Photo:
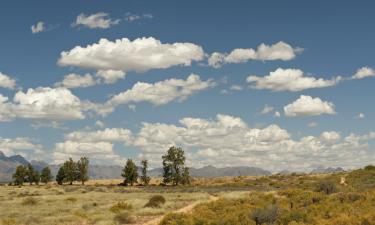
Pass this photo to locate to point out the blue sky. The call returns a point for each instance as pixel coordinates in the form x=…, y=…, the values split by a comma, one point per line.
x=324, y=50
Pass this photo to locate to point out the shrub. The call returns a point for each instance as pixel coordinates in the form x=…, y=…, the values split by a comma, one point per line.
x=155, y=201
x=370, y=167
x=29, y=201
x=124, y=217
x=71, y=199
x=120, y=206
x=266, y=215
x=177, y=219
x=326, y=186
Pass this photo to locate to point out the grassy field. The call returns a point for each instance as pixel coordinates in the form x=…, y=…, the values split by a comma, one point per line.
x=278, y=199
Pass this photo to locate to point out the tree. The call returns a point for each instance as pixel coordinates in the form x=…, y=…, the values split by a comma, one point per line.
x=60, y=177
x=19, y=176
x=30, y=174
x=145, y=178
x=173, y=165
x=36, y=177
x=186, y=179
x=70, y=171
x=82, y=170
x=46, y=175
x=130, y=173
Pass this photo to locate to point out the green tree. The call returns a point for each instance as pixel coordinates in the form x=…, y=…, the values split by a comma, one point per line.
x=46, y=175
x=20, y=175
x=82, y=170
x=60, y=177
x=144, y=177
x=186, y=179
x=36, y=177
x=30, y=174
x=173, y=165
x=70, y=171
x=130, y=173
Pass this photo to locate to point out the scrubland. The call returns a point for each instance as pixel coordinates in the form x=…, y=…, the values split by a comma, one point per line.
x=338, y=199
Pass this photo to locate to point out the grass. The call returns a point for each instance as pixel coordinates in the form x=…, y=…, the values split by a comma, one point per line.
x=91, y=204
x=277, y=199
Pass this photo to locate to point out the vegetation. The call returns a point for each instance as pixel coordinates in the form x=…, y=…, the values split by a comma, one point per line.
x=46, y=175
x=174, y=168
x=82, y=170
x=155, y=201
x=144, y=177
x=130, y=173
x=72, y=171
x=19, y=176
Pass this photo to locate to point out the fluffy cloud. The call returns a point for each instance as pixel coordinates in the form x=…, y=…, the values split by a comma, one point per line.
x=139, y=55
x=97, y=145
x=98, y=152
x=110, y=76
x=290, y=80
x=308, y=106
x=20, y=145
x=223, y=141
x=228, y=140
x=363, y=73
x=159, y=93
x=73, y=80
x=278, y=51
x=106, y=135
x=98, y=20
x=37, y=28
x=42, y=103
x=7, y=82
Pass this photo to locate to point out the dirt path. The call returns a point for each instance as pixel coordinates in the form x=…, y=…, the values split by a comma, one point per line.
x=185, y=209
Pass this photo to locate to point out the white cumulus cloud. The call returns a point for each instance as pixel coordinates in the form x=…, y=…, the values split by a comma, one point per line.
x=309, y=106
x=158, y=93
x=6, y=81
x=290, y=80
x=278, y=51
x=98, y=20
x=363, y=73
x=74, y=80
x=139, y=55
x=42, y=103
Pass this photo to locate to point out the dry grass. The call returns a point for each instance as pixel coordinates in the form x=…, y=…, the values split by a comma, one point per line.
x=90, y=204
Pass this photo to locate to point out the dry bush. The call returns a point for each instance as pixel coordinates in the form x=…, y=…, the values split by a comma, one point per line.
x=177, y=219
x=267, y=215
x=124, y=217
x=121, y=206
x=71, y=199
x=29, y=201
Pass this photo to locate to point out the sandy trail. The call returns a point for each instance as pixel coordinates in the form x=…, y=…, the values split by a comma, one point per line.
x=185, y=209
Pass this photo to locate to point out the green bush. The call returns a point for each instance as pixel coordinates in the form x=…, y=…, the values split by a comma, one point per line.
x=177, y=219
x=155, y=201
x=266, y=215
x=326, y=186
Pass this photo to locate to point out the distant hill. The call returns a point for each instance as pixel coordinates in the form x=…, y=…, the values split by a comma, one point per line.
x=322, y=169
x=211, y=171
x=8, y=166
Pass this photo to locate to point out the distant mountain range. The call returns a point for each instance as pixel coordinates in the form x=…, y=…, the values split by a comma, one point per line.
x=9, y=164
x=322, y=169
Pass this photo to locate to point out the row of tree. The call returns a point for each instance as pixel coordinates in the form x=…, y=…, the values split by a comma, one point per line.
x=29, y=174
x=72, y=171
x=174, y=170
